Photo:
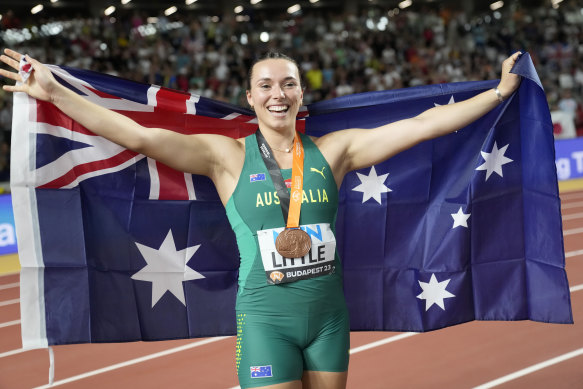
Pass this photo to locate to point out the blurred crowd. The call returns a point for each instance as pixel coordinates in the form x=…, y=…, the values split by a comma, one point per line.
x=338, y=54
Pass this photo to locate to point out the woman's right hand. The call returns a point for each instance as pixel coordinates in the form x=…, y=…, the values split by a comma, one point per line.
x=40, y=84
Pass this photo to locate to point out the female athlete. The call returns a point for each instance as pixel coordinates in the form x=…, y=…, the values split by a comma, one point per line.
x=292, y=320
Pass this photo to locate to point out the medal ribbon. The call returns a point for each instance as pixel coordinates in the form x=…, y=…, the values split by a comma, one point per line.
x=290, y=205
x=293, y=217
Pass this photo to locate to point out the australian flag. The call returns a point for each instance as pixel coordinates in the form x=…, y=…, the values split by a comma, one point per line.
x=117, y=247
x=261, y=371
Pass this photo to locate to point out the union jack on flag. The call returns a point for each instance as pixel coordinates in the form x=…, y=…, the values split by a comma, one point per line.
x=148, y=105
x=459, y=228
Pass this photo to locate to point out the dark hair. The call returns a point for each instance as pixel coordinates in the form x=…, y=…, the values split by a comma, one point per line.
x=272, y=55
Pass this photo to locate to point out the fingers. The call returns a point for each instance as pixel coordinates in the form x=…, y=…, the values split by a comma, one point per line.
x=509, y=63
x=12, y=59
x=35, y=64
x=513, y=58
x=10, y=62
x=14, y=54
x=13, y=88
x=11, y=75
x=8, y=74
x=509, y=82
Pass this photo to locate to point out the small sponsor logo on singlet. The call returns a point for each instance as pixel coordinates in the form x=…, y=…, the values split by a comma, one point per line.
x=276, y=276
x=257, y=177
x=261, y=371
x=288, y=183
x=320, y=172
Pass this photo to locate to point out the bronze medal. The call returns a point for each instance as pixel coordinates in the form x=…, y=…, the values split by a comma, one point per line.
x=293, y=243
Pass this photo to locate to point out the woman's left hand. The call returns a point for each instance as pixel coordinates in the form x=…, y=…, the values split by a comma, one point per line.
x=509, y=82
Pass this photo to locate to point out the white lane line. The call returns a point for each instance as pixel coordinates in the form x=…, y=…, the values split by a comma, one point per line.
x=573, y=216
x=575, y=253
x=9, y=286
x=9, y=302
x=576, y=204
x=531, y=369
x=12, y=352
x=134, y=361
x=381, y=342
x=9, y=323
x=572, y=231
x=207, y=341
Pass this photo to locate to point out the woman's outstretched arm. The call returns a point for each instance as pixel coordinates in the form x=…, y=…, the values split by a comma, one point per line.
x=204, y=154
x=358, y=148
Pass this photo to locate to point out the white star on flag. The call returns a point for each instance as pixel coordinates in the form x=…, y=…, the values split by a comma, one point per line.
x=372, y=185
x=494, y=160
x=460, y=219
x=451, y=101
x=434, y=292
x=166, y=268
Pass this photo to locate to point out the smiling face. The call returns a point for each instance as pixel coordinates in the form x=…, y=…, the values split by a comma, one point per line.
x=276, y=94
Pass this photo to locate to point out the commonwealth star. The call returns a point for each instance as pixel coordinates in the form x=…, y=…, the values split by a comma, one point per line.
x=166, y=268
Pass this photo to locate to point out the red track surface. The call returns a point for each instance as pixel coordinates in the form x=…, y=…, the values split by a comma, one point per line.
x=464, y=356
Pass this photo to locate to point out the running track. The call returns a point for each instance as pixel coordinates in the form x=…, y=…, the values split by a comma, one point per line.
x=472, y=355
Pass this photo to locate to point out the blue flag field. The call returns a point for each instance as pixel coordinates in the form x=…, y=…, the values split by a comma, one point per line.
x=117, y=247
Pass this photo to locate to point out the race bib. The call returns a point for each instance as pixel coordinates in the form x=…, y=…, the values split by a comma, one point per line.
x=318, y=262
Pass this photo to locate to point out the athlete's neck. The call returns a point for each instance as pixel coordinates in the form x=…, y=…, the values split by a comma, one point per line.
x=280, y=141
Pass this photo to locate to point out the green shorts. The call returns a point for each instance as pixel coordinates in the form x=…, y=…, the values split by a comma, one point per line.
x=276, y=349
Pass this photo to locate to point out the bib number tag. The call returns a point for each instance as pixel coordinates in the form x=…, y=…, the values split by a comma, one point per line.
x=317, y=262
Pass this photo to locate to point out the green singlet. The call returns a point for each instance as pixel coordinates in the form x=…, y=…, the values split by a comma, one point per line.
x=287, y=328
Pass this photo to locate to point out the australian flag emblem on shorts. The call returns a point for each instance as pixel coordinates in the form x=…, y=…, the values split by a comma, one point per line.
x=261, y=371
